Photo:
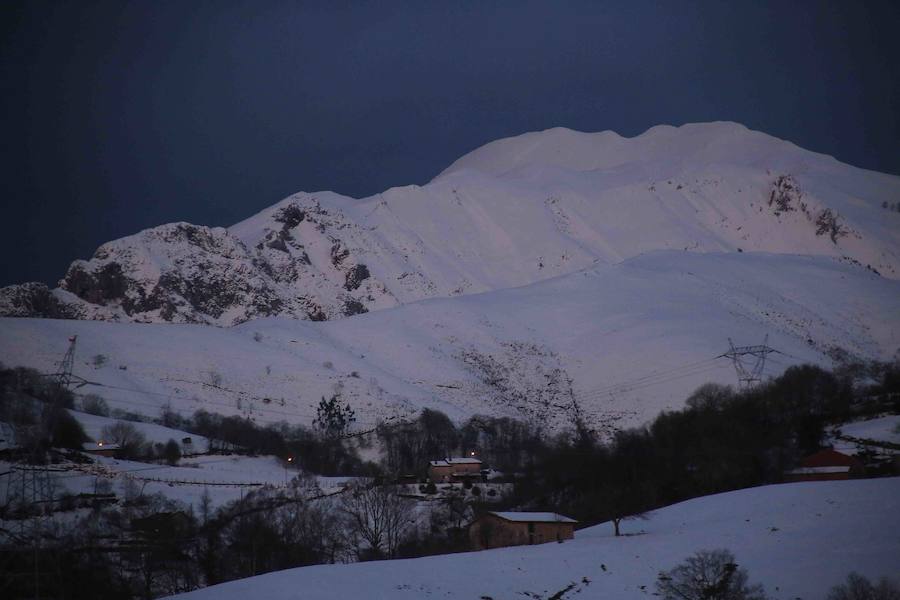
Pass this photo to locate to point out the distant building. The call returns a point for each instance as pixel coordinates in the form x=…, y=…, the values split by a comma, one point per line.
x=826, y=465
x=454, y=469
x=101, y=448
x=499, y=529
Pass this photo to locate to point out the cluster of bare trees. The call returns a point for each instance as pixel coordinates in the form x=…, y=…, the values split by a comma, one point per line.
x=148, y=546
x=379, y=518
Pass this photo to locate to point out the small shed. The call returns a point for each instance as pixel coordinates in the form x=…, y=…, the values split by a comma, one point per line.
x=100, y=448
x=499, y=529
x=454, y=469
x=826, y=465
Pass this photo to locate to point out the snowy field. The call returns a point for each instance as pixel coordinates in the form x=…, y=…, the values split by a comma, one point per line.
x=226, y=478
x=797, y=539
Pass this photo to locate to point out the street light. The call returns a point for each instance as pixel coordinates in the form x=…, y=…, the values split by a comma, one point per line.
x=290, y=460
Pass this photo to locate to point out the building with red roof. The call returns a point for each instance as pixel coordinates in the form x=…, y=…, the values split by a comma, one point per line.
x=826, y=465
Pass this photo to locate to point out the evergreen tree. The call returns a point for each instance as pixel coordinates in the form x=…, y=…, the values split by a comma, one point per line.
x=334, y=417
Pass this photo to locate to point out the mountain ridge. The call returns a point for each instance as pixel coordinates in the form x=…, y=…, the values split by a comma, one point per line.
x=512, y=212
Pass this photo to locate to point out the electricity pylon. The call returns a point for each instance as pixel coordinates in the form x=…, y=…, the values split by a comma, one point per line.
x=749, y=361
x=30, y=493
x=64, y=372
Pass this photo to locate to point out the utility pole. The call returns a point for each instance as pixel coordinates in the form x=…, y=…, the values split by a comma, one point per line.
x=749, y=361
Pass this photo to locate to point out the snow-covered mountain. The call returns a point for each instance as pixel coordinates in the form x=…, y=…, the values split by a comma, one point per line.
x=512, y=213
x=615, y=343
x=545, y=276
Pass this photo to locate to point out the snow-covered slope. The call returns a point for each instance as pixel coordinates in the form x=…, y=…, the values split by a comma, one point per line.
x=514, y=212
x=880, y=429
x=617, y=342
x=798, y=540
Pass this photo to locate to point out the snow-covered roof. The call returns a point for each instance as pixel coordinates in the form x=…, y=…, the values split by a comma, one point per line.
x=810, y=470
x=454, y=461
x=94, y=446
x=533, y=517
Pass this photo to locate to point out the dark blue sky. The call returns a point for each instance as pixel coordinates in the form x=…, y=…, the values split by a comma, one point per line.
x=119, y=116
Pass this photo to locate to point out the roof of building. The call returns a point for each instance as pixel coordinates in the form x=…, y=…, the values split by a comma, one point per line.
x=533, y=517
x=94, y=446
x=447, y=462
x=830, y=458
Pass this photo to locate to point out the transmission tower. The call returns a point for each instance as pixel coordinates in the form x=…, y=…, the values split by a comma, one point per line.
x=64, y=372
x=25, y=557
x=30, y=497
x=749, y=361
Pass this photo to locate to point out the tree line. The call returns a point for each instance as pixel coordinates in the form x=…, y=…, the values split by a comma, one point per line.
x=721, y=440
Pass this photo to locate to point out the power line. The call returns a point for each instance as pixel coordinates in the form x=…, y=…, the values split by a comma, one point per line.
x=692, y=373
x=749, y=375
x=672, y=373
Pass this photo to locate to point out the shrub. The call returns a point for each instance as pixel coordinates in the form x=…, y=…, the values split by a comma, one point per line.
x=95, y=405
x=172, y=452
x=215, y=378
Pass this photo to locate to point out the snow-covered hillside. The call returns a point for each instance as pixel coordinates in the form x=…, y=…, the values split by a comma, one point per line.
x=512, y=213
x=94, y=425
x=881, y=429
x=798, y=540
x=618, y=343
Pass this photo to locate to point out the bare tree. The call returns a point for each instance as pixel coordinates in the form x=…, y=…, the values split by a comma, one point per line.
x=858, y=587
x=377, y=515
x=130, y=440
x=708, y=575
